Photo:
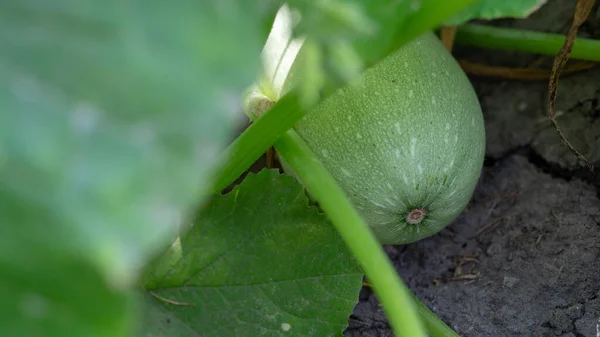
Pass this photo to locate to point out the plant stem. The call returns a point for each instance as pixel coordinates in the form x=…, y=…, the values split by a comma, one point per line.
x=256, y=139
x=435, y=326
x=411, y=23
x=525, y=41
x=390, y=290
x=431, y=13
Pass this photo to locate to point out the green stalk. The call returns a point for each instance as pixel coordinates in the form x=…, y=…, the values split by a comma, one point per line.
x=525, y=41
x=389, y=288
x=256, y=139
x=411, y=23
x=430, y=14
x=435, y=326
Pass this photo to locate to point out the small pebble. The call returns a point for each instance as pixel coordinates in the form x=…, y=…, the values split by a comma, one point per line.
x=510, y=281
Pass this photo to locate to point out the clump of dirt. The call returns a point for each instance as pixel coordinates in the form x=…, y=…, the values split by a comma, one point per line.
x=524, y=258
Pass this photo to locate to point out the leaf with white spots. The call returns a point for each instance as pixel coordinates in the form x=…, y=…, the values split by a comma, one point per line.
x=258, y=261
x=112, y=114
x=495, y=9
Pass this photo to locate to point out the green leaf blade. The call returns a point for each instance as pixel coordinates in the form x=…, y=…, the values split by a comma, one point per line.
x=51, y=302
x=258, y=260
x=112, y=114
x=118, y=111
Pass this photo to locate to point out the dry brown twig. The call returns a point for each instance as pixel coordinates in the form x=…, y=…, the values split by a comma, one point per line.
x=459, y=273
x=447, y=35
x=270, y=158
x=582, y=11
x=489, y=225
x=525, y=74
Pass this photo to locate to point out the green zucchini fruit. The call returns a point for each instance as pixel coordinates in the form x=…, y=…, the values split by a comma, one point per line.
x=405, y=141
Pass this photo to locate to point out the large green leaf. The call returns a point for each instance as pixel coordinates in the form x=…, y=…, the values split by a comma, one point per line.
x=61, y=297
x=257, y=261
x=112, y=114
x=113, y=111
x=496, y=9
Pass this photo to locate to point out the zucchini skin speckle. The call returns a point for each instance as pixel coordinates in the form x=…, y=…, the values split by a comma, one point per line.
x=407, y=135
